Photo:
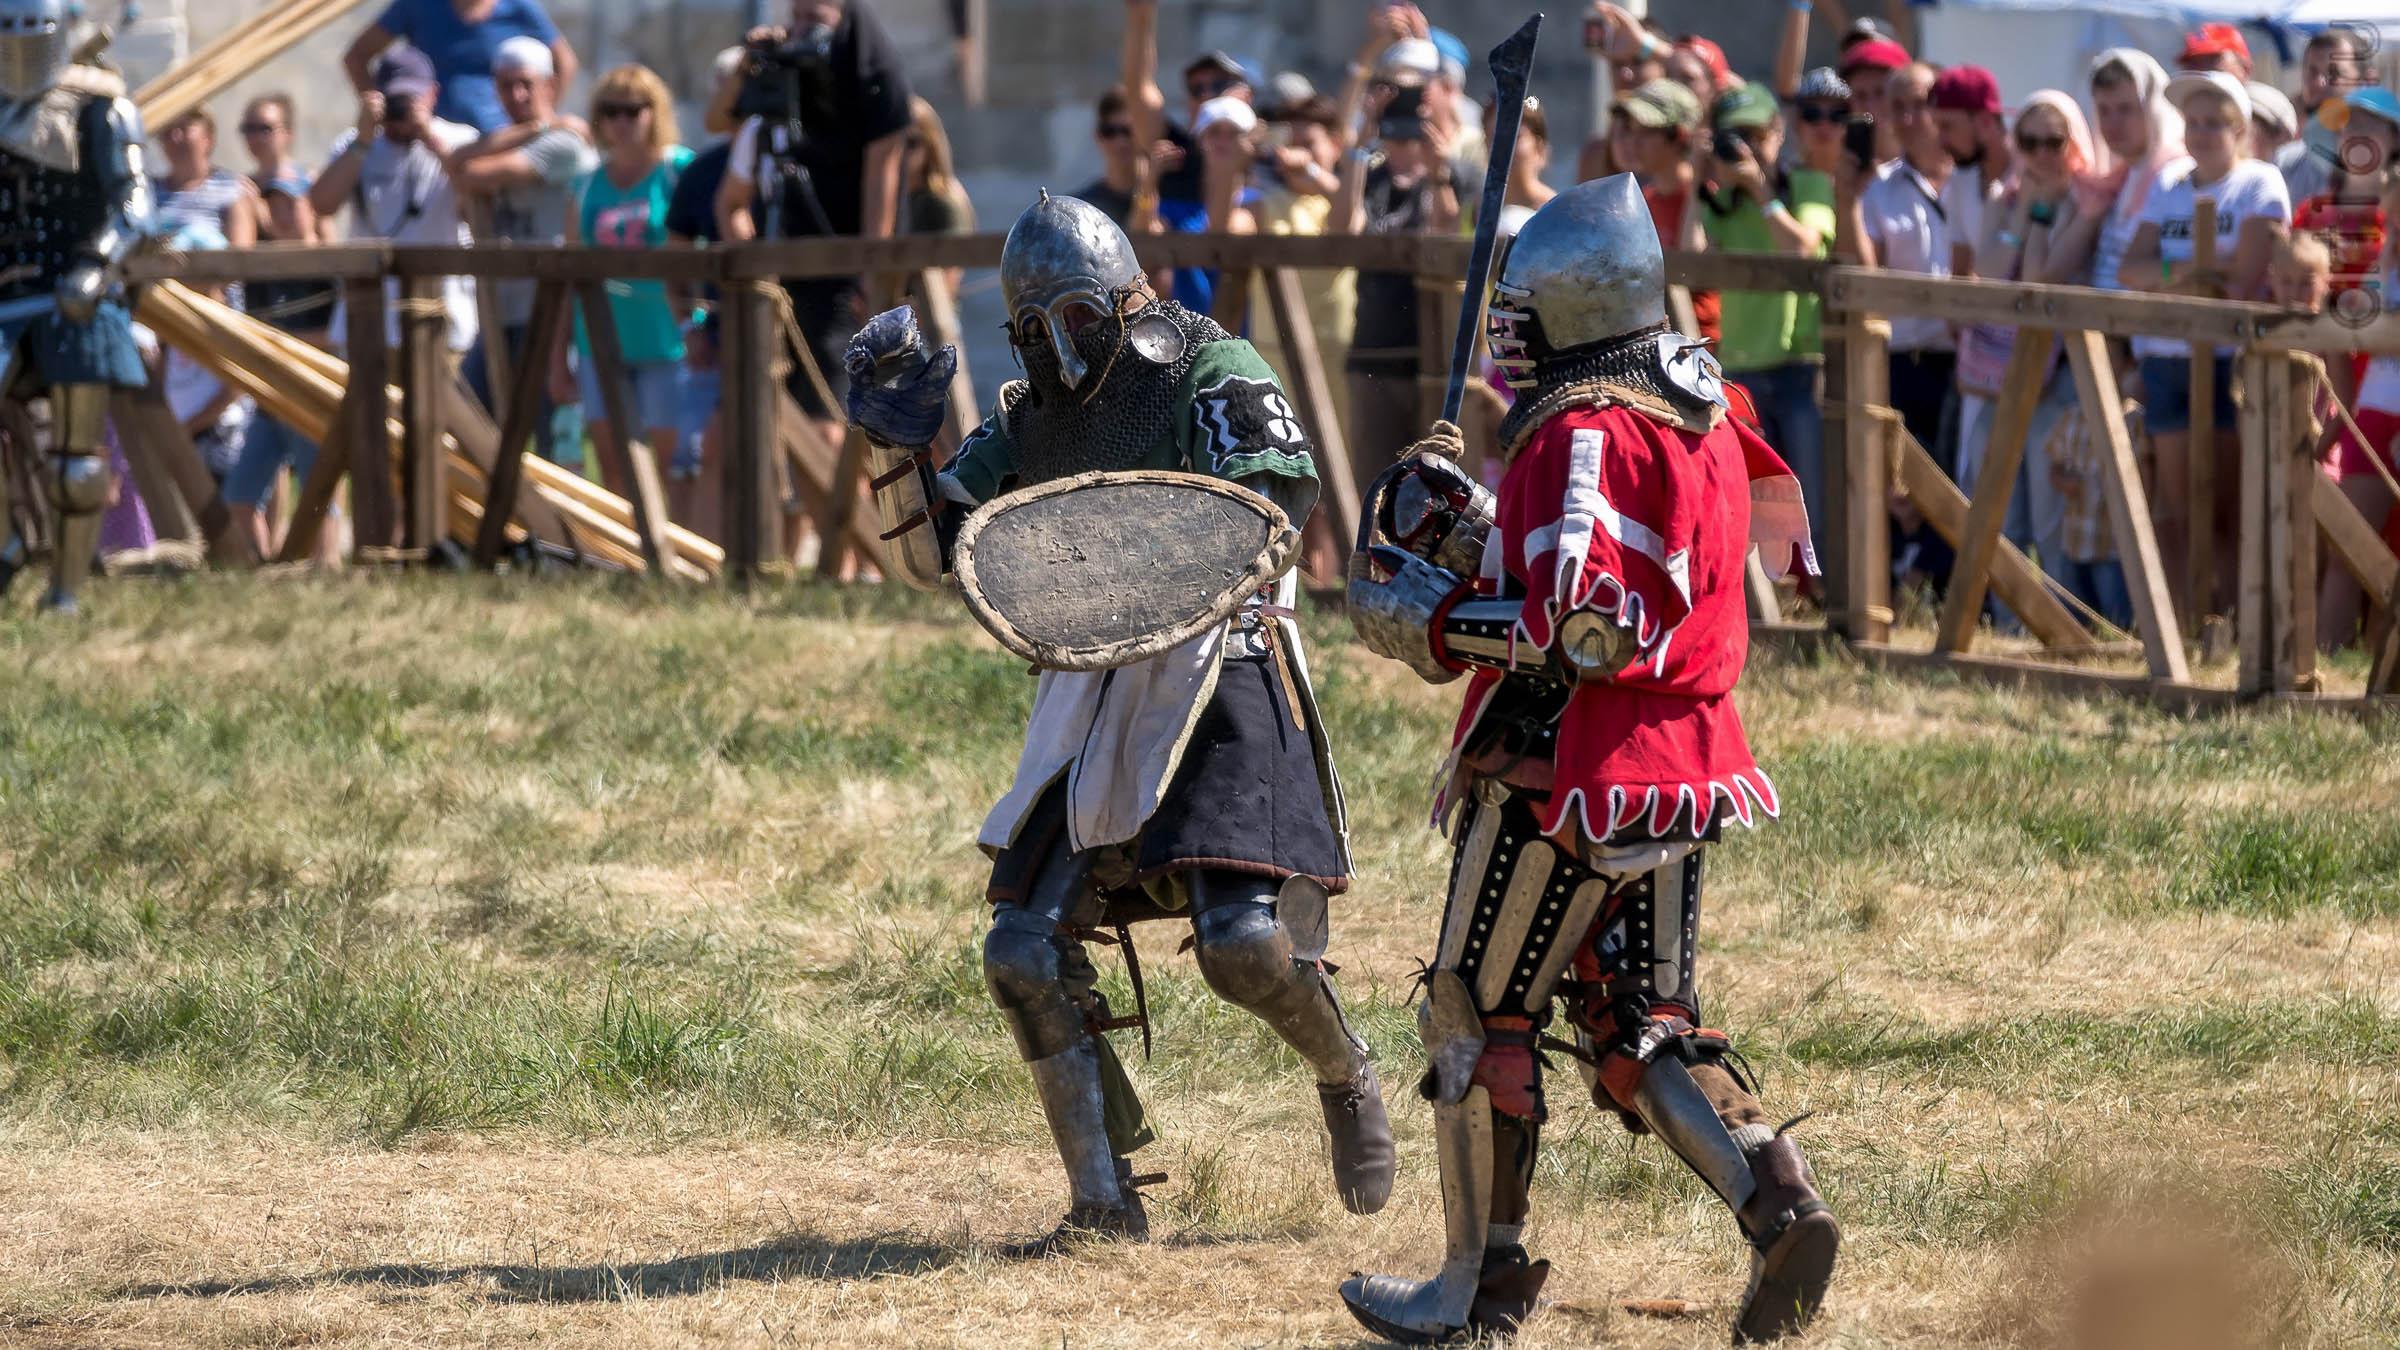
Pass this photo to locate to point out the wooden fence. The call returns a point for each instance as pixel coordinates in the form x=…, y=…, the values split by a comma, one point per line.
x=2286, y=505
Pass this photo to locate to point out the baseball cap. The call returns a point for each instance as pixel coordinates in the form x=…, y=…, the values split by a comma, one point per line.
x=1969, y=89
x=2215, y=39
x=525, y=53
x=2191, y=82
x=404, y=72
x=1454, y=54
x=1223, y=62
x=1720, y=71
x=1874, y=54
x=1660, y=104
x=1822, y=86
x=1290, y=89
x=2268, y=105
x=1409, y=61
x=1225, y=108
x=2375, y=101
x=1743, y=106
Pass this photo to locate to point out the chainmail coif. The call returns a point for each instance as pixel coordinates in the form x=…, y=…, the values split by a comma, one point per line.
x=1059, y=431
x=1625, y=369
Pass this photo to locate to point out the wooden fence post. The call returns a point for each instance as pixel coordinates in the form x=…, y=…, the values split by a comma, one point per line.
x=1995, y=486
x=750, y=428
x=1313, y=389
x=1829, y=515
x=1231, y=306
x=368, y=404
x=523, y=402
x=1867, y=482
x=2291, y=522
x=2128, y=507
x=2254, y=662
x=937, y=322
x=424, y=383
x=635, y=463
x=2199, y=562
x=325, y=479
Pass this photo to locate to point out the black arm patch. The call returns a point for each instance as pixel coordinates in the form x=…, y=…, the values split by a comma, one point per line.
x=1248, y=426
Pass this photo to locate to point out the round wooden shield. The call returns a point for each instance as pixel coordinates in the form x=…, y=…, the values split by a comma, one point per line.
x=1105, y=569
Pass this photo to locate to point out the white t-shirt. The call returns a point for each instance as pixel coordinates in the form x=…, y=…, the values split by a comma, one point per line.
x=1963, y=200
x=404, y=195
x=2108, y=251
x=1911, y=230
x=2250, y=190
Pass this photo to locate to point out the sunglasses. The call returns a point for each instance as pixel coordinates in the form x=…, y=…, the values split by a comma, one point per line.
x=1207, y=89
x=613, y=111
x=1114, y=131
x=1817, y=113
x=259, y=128
x=2036, y=145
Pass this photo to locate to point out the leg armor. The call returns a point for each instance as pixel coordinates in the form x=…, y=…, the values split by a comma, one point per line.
x=78, y=482
x=1042, y=980
x=1640, y=1010
x=1253, y=959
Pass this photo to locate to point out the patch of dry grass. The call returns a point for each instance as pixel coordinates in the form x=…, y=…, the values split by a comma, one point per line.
x=455, y=961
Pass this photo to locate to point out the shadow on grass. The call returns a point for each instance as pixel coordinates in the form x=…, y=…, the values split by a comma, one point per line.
x=798, y=1256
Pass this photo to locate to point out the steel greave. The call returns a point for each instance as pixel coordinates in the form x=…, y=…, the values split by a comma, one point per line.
x=1438, y=1308
x=1069, y=1086
x=1675, y=1109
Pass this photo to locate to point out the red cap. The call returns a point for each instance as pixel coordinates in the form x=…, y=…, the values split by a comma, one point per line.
x=1874, y=54
x=2215, y=39
x=1711, y=55
x=1965, y=89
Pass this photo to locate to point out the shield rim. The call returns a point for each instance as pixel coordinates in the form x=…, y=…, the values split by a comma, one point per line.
x=1272, y=561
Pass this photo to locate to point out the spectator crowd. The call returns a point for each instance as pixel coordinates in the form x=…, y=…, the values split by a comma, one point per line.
x=1879, y=159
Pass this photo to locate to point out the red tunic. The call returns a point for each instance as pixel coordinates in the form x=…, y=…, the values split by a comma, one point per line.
x=1609, y=510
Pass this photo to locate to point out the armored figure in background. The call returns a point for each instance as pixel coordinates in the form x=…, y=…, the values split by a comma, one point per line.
x=1598, y=602
x=73, y=202
x=1195, y=783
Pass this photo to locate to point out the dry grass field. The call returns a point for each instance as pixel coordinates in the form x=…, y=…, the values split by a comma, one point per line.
x=466, y=962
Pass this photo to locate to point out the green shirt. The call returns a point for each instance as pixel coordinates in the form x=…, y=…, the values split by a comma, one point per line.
x=1761, y=330
x=1235, y=424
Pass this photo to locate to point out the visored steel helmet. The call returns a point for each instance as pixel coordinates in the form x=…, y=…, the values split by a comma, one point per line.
x=1063, y=256
x=1584, y=268
x=35, y=42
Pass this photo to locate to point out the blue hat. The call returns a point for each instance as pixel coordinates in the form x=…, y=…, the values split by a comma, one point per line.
x=2376, y=101
x=1454, y=53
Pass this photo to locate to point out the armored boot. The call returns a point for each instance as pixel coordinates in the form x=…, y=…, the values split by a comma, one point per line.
x=1761, y=1177
x=78, y=482
x=1102, y=1203
x=1426, y=1312
x=1251, y=960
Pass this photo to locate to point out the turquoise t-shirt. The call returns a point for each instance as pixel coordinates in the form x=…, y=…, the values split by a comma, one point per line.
x=636, y=217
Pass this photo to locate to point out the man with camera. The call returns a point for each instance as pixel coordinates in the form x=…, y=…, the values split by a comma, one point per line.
x=393, y=170
x=825, y=109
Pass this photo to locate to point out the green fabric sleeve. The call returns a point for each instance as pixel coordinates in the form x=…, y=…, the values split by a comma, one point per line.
x=984, y=460
x=1238, y=421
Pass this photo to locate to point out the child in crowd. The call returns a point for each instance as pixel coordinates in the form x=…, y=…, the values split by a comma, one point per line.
x=2303, y=276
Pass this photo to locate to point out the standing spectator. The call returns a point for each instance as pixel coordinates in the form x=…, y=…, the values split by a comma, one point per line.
x=215, y=415
x=461, y=38
x=1224, y=127
x=2378, y=405
x=1122, y=158
x=1821, y=106
x=2216, y=46
x=692, y=219
x=1700, y=66
x=527, y=171
x=301, y=308
x=2143, y=134
x=1303, y=167
x=1655, y=128
x=1526, y=193
x=857, y=138
x=1869, y=66
x=1461, y=117
x=1174, y=156
x=1771, y=343
x=2274, y=122
x=392, y=172
x=623, y=204
x=2252, y=213
x=2301, y=278
x=1966, y=107
x=937, y=202
x=194, y=191
x=1408, y=189
x=2335, y=61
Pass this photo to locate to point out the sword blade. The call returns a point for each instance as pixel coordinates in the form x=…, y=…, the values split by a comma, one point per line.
x=1512, y=69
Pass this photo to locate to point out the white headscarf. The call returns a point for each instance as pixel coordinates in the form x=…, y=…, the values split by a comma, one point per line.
x=2166, y=124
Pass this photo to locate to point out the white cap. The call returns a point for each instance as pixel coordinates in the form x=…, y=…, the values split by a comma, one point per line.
x=2268, y=105
x=528, y=54
x=729, y=62
x=1225, y=108
x=1410, y=61
x=2191, y=82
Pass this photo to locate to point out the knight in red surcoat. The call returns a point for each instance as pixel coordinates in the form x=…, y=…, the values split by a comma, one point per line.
x=1597, y=603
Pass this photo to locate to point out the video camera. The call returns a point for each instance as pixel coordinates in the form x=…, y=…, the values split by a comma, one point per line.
x=788, y=79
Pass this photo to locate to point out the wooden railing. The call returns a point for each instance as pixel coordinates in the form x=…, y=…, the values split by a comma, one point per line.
x=2286, y=506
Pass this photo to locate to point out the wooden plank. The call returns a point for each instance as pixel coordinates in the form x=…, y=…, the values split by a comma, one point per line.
x=2199, y=563
x=424, y=388
x=556, y=262
x=324, y=479
x=2296, y=471
x=1711, y=271
x=2254, y=665
x=234, y=54
x=2070, y=681
x=1995, y=486
x=2014, y=577
x=471, y=432
x=263, y=262
x=1759, y=590
x=2128, y=507
x=1231, y=305
x=2118, y=313
x=2327, y=332
x=491, y=330
x=374, y=522
x=814, y=461
x=1682, y=315
x=2357, y=544
x=937, y=321
x=1313, y=390
x=1867, y=480
x=522, y=406
x=840, y=509
x=1831, y=512
x=635, y=465
x=1436, y=329
x=747, y=334
x=171, y=517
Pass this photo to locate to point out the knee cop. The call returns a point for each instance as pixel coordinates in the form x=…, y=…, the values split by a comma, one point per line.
x=1639, y=998
x=1025, y=969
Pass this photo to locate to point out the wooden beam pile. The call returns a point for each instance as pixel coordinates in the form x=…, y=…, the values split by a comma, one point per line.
x=302, y=386
x=234, y=54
